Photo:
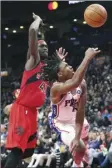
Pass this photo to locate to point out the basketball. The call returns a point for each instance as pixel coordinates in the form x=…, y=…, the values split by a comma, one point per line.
x=95, y=15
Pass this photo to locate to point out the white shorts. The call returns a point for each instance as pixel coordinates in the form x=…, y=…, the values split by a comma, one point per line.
x=67, y=131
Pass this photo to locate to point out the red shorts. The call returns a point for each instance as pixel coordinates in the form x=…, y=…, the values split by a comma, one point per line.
x=22, y=127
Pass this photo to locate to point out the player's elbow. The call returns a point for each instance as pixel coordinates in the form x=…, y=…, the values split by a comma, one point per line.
x=80, y=121
x=32, y=32
x=80, y=116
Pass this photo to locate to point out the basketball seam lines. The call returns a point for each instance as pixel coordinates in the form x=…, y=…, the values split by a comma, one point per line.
x=92, y=19
x=97, y=13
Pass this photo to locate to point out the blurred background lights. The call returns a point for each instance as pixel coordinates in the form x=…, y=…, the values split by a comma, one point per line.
x=51, y=27
x=84, y=22
x=21, y=27
x=75, y=20
x=14, y=31
x=53, y=5
x=6, y=28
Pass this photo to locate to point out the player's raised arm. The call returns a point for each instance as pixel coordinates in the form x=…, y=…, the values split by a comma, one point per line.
x=33, y=31
x=74, y=78
x=79, y=117
x=33, y=57
x=81, y=110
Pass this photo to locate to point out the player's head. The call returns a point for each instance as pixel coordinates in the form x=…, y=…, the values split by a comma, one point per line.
x=43, y=49
x=57, y=70
x=65, y=72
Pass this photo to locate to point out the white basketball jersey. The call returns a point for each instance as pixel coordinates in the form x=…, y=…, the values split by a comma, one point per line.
x=65, y=110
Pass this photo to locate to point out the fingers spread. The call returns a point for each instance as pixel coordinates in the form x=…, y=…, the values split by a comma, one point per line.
x=63, y=52
x=66, y=54
x=60, y=50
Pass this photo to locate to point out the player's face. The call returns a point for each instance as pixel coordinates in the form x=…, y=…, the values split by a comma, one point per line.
x=65, y=71
x=43, y=49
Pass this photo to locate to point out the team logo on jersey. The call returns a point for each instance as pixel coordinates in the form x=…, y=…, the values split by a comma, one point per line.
x=19, y=130
x=73, y=103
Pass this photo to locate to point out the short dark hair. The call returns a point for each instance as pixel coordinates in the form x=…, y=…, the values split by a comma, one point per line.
x=51, y=68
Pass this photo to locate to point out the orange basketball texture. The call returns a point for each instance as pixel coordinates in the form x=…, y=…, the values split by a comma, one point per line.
x=95, y=15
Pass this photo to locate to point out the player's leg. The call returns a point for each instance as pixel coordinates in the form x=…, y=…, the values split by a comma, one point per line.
x=18, y=134
x=31, y=143
x=14, y=158
x=17, y=153
x=82, y=150
x=77, y=154
x=84, y=137
x=67, y=135
x=32, y=139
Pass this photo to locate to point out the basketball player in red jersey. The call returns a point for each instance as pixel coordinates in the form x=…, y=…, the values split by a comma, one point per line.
x=22, y=130
x=68, y=103
x=21, y=138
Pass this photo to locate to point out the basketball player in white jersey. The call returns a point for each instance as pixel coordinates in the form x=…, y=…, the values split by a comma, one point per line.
x=68, y=100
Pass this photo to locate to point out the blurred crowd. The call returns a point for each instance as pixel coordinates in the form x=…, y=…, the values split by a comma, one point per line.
x=50, y=152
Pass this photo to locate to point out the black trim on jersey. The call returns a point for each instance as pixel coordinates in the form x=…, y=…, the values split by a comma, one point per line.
x=33, y=78
x=32, y=137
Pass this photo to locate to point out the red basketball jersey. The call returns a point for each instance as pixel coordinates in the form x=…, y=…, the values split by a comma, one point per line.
x=33, y=88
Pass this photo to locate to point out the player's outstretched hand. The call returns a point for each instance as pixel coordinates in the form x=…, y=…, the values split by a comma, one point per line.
x=91, y=53
x=61, y=53
x=36, y=16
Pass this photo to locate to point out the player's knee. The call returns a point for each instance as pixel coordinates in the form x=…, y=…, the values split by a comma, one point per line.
x=82, y=147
